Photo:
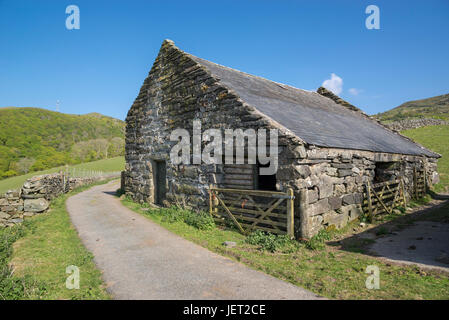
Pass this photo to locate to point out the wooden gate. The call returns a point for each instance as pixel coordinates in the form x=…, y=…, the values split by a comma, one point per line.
x=384, y=197
x=254, y=209
x=419, y=183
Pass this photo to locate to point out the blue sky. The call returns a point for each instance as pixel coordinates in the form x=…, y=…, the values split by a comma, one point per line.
x=101, y=66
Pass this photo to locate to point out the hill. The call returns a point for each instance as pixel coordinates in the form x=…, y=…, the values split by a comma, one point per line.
x=435, y=138
x=434, y=107
x=34, y=139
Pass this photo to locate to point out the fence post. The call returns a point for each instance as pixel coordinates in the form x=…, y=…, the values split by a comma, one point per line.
x=290, y=214
x=425, y=180
x=210, y=199
x=304, y=223
x=370, y=204
x=415, y=182
x=404, y=198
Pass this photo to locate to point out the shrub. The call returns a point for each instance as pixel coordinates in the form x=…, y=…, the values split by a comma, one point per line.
x=317, y=241
x=200, y=220
x=172, y=214
x=270, y=242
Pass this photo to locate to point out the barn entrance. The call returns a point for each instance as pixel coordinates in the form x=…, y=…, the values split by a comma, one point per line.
x=264, y=182
x=160, y=181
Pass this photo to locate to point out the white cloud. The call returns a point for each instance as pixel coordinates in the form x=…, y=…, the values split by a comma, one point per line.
x=354, y=91
x=334, y=84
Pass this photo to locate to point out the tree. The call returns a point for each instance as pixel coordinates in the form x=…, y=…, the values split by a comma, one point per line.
x=24, y=165
x=116, y=147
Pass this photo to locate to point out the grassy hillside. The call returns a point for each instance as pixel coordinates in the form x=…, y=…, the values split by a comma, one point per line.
x=435, y=107
x=33, y=139
x=435, y=138
x=105, y=165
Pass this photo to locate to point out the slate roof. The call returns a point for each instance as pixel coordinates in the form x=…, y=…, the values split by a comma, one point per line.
x=314, y=118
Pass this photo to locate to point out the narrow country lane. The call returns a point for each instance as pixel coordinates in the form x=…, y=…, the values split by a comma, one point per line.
x=141, y=260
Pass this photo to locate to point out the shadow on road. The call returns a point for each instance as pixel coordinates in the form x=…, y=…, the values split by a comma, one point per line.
x=421, y=237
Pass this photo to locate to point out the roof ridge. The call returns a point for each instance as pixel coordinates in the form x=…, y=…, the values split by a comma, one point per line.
x=251, y=75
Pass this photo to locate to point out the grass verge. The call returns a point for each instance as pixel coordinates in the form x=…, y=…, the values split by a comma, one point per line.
x=324, y=269
x=42, y=248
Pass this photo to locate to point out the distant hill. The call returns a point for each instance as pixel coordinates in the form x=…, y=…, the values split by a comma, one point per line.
x=33, y=139
x=435, y=107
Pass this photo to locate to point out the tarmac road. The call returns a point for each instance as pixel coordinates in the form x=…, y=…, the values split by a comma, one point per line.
x=142, y=260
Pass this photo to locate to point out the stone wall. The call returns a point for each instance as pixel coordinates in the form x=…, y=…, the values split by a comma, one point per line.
x=328, y=183
x=35, y=195
x=414, y=123
x=334, y=180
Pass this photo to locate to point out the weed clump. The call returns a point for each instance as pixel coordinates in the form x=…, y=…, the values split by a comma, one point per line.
x=271, y=242
x=199, y=220
x=318, y=240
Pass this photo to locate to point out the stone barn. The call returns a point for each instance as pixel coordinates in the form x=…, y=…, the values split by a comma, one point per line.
x=328, y=150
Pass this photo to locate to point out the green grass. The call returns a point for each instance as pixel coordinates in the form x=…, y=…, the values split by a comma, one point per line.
x=324, y=269
x=435, y=138
x=50, y=244
x=105, y=165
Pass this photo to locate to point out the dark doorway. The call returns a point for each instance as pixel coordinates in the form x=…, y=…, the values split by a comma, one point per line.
x=160, y=181
x=265, y=182
x=385, y=171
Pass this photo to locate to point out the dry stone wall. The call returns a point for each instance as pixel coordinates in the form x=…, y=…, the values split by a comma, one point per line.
x=35, y=195
x=334, y=180
x=414, y=123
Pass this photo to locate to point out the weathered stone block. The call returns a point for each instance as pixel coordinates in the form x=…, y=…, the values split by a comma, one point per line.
x=336, y=219
x=330, y=171
x=4, y=215
x=325, y=186
x=335, y=202
x=303, y=170
x=36, y=205
x=190, y=171
x=318, y=169
x=353, y=198
x=317, y=154
x=342, y=165
x=339, y=189
x=300, y=151
x=344, y=172
x=356, y=170
x=319, y=207
x=186, y=189
x=351, y=211
x=312, y=196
